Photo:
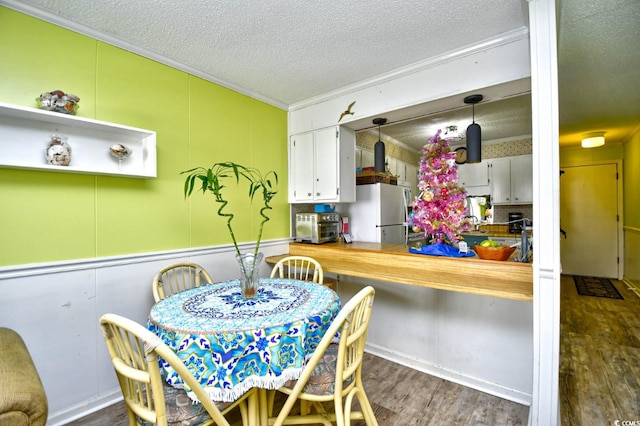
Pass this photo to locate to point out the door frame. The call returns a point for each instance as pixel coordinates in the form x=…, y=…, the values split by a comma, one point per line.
x=619, y=204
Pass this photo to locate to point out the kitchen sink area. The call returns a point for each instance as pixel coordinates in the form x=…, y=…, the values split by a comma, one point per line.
x=500, y=234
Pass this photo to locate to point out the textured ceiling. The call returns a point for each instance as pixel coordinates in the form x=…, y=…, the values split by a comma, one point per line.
x=288, y=51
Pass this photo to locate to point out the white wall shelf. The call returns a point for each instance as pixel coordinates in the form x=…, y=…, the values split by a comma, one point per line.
x=25, y=134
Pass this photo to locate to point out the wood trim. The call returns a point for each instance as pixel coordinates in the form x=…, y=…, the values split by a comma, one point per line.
x=394, y=263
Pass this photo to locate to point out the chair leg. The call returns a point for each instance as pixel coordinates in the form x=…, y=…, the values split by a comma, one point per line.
x=305, y=407
x=263, y=413
x=252, y=403
x=367, y=411
x=271, y=397
x=243, y=412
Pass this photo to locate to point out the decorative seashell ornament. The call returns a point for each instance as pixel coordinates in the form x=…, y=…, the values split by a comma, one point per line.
x=119, y=151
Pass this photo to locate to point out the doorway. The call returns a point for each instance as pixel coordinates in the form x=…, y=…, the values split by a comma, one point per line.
x=590, y=215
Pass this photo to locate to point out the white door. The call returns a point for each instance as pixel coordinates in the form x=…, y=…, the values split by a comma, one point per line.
x=391, y=206
x=392, y=235
x=326, y=164
x=522, y=179
x=589, y=216
x=302, y=163
x=501, y=181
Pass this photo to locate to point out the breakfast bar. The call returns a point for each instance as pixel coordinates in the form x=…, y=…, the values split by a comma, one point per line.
x=394, y=263
x=466, y=320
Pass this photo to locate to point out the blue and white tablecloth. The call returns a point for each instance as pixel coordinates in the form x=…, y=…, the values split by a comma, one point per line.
x=232, y=345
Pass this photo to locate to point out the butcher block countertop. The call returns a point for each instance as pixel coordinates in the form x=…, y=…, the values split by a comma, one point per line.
x=394, y=263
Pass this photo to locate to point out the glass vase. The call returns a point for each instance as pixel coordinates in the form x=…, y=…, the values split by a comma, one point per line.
x=249, y=274
x=58, y=151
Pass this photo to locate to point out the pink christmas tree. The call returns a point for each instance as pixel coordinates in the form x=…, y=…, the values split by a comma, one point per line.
x=439, y=209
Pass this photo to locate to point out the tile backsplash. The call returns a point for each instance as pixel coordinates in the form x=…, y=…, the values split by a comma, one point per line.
x=501, y=213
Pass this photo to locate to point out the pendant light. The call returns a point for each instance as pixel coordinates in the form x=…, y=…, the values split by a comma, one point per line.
x=474, y=139
x=378, y=148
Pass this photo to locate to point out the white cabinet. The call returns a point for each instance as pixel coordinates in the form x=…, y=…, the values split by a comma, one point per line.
x=412, y=179
x=512, y=180
x=522, y=179
x=26, y=132
x=322, y=167
x=470, y=175
x=474, y=178
x=364, y=158
x=367, y=158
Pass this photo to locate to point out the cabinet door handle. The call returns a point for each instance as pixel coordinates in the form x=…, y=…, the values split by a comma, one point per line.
x=317, y=194
x=309, y=194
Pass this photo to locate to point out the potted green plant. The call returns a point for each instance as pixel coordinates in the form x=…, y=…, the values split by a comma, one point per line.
x=212, y=180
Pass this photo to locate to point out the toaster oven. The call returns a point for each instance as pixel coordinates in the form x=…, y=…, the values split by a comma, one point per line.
x=317, y=228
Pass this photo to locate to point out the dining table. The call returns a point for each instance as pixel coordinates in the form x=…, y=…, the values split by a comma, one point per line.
x=232, y=344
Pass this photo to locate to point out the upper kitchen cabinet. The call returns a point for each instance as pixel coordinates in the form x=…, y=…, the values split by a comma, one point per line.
x=322, y=166
x=474, y=178
x=512, y=180
x=364, y=158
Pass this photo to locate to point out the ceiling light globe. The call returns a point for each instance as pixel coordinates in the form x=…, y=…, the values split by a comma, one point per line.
x=593, y=140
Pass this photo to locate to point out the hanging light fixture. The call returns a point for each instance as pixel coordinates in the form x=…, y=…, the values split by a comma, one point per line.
x=378, y=148
x=593, y=140
x=451, y=134
x=474, y=139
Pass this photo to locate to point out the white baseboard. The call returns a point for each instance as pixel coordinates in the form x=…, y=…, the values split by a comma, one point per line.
x=79, y=411
x=633, y=285
x=434, y=370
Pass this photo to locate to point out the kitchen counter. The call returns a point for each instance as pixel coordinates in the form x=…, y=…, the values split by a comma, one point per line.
x=394, y=263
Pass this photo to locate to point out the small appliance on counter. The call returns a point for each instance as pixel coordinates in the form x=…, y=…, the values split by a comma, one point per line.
x=317, y=228
x=515, y=223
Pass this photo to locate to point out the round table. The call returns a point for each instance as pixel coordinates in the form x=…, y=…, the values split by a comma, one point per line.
x=231, y=344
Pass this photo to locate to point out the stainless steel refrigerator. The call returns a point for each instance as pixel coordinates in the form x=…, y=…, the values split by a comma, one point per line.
x=379, y=214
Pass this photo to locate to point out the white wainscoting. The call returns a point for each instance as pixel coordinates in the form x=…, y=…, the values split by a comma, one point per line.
x=482, y=342
x=632, y=258
x=56, y=307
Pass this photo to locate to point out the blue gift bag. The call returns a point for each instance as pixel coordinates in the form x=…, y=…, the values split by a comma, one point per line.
x=440, y=249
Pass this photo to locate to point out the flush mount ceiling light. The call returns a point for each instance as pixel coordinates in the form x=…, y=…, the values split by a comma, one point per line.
x=451, y=133
x=378, y=148
x=474, y=139
x=593, y=140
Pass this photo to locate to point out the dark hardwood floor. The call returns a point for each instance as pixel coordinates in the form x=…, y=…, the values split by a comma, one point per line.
x=599, y=376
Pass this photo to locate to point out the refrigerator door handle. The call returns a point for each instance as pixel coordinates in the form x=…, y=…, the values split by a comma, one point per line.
x=391, y=224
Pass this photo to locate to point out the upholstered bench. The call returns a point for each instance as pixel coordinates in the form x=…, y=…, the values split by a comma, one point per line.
x=22, y=397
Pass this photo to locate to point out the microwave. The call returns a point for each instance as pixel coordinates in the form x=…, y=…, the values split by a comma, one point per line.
x=317, y=228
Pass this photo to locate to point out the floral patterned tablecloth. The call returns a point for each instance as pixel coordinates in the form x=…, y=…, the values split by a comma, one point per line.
x=232, y=345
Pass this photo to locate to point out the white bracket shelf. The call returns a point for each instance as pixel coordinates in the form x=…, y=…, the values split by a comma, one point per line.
x=25, y=134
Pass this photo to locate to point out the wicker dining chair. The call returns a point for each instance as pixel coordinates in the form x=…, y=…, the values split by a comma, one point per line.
x=302, y=268
x=135, y=351
x=178, y=277
x=333, y=375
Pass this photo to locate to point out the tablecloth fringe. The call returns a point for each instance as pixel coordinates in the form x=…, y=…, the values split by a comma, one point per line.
x=230, y=395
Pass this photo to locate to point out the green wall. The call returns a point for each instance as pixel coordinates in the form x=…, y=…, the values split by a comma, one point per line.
x=48, y=216
x=631, y=181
